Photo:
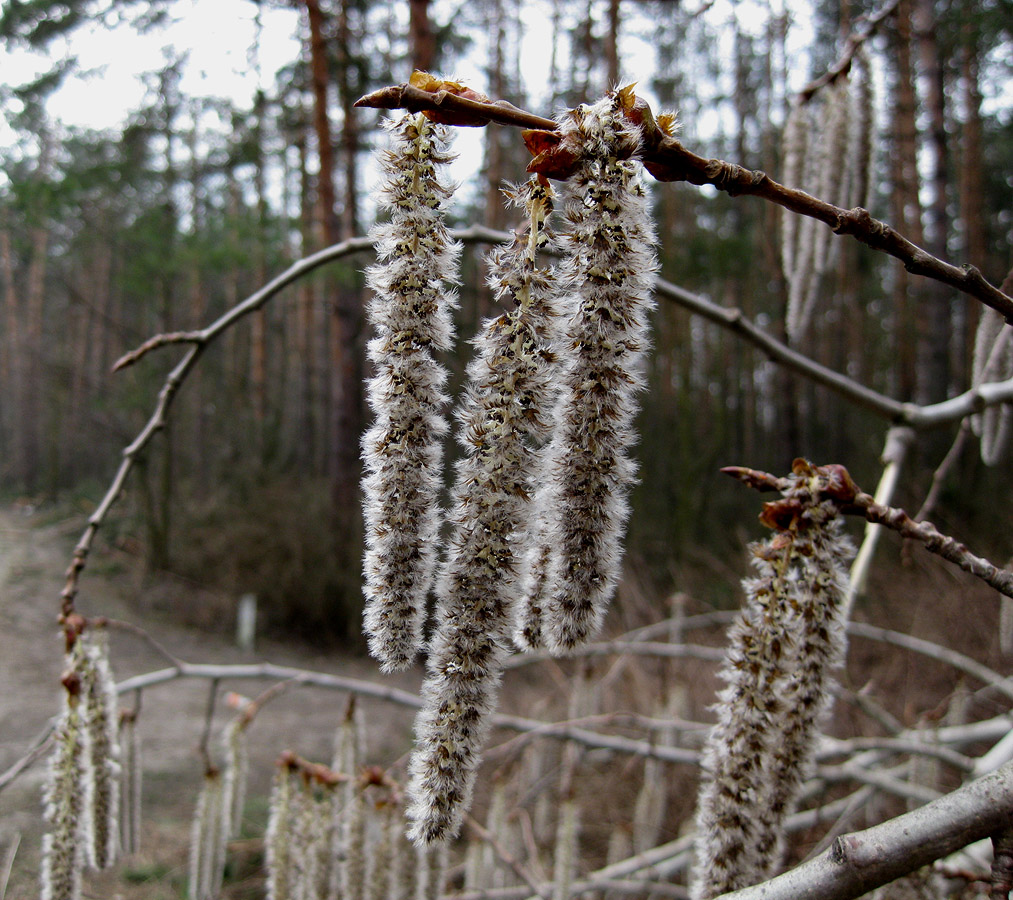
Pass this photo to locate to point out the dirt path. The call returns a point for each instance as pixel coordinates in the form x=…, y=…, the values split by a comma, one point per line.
x=33, y=556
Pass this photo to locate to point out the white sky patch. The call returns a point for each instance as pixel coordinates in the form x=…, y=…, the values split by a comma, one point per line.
x=216, y=35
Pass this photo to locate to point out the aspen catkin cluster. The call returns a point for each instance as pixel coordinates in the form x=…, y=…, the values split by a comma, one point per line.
x=782, y=649
x=402, y=453
x=568, y=351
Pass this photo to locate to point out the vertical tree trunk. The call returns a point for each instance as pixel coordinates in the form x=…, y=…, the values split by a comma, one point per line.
x=905, y=205
x=936, y=313
x=970, y=184
x=612, y=45
x=420, y=35
x=345, y=414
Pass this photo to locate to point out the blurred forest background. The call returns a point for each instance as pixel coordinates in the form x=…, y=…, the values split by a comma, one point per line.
x=108, y=237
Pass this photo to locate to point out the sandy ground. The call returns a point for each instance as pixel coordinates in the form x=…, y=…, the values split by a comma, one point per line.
x=34, y=552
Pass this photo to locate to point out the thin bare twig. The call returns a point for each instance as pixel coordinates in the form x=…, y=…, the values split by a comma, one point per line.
x=863, y=504
x=205, y=738
x=199, y=341
x=522, y=873
x=866, y=27
x=38, y=749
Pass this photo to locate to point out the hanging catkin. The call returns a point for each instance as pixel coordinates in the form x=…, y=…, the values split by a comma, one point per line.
x=608, y=272
x=825, y=170
x=402, y=452
x=502, y=412
x=781, y=650
x=67, y=793
x=993, y=361
x=101, y=712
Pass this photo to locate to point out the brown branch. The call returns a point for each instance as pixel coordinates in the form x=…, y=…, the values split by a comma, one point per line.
x=199, y=340
x=668, y=160
x=407, y=96
x=316, y=773
x=868, y=26
x=860, y=503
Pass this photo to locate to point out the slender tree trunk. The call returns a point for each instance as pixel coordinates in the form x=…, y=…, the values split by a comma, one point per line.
x=345, y=414
x=612, y=45
x=421, y=36
x=971, y=184
x=936, y=312
x=905, y=205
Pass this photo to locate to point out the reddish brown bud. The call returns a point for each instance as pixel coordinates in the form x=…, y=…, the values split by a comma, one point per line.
x=555, y=156
x=839, y=484
x=780, y=514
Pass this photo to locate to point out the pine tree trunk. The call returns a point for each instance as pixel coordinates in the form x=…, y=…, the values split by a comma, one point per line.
x=936, y=313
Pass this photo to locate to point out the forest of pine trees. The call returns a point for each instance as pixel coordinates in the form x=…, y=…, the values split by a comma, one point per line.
x=194, y=202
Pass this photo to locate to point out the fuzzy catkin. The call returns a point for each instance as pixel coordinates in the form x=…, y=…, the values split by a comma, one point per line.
x=501, y=414
x=817, y=586
x=588, y=473
x=101, y=712
x=66, y=796
x=130, y=783
x=402, y=451
x=782, y=647
x=237, y=763
x=993, y=361
x=207, y=845
x=277, y=841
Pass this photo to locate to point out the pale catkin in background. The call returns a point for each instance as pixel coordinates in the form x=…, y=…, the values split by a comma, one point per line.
x=277, y=841
x=566, y=848
x=131, y=772
x=237, y=761
x=827, y=168
x=992, y=361
x=402, y=452
x=207, y=846
x=101, y=712
x=66, y=794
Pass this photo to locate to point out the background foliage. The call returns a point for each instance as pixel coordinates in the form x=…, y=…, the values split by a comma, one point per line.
x=195, y=201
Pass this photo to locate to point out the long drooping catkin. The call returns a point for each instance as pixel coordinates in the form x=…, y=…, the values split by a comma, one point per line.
x=67, y=794
x=782, y=649
x=993, y=361
x=402, y=452
x=608, y=272
x=501, y=414
x=102, y=717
